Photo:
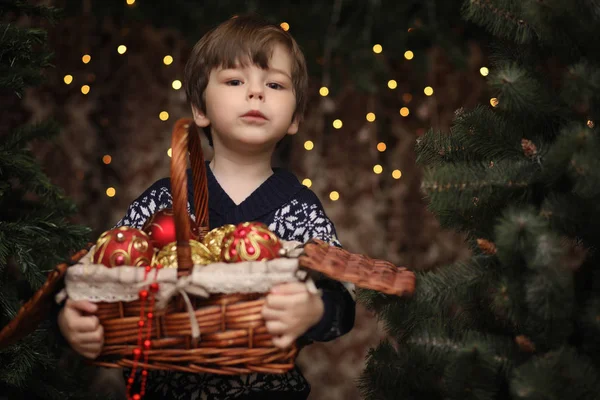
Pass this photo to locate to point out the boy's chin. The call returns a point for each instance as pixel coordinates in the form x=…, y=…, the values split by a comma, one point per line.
x=258, y=141
x=253, y=146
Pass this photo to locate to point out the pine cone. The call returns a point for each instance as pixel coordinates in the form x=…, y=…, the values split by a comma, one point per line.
x=529, y=148
x=525, y=344
x=486, y=246
x=575, y=253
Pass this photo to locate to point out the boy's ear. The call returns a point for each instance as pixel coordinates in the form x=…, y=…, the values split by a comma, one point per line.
x=200, y=117
x=293, y=129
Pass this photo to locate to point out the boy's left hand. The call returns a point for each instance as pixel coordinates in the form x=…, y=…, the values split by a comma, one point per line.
x=289, y=311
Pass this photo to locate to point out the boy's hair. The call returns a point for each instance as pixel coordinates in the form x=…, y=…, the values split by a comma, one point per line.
x=239, y=41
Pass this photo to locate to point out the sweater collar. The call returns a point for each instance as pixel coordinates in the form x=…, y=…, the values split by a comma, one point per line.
x=271, y=195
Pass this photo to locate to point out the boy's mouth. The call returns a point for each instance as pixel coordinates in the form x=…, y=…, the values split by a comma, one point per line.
x=255, y=114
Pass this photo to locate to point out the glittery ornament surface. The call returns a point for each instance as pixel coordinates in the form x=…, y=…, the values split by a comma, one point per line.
x=201, y=255
x=250, y=241
x=214, y=239
x=123, y=246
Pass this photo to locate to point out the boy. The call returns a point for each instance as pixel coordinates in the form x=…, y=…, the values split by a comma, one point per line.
x=246, y=81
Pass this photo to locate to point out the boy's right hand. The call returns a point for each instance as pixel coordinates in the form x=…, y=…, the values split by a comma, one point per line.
x=83, y=331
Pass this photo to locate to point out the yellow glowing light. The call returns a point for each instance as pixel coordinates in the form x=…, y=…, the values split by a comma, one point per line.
x=392, y=84
x=110, y=192
x=404, y=111
x=378, y=169
x=170, y=152
x=307, y=182
x=428, y=91
x=86, y=58
x=377, y=49
x=371, y=117
x=381, y=147
x=494, y=102
x=323, y=91
x=130, y=2
x=484, y=71
x=122, y=49
x=409, y=55
x=285, y=26
x=85, y=89
x=168, y=60
x=396, y=174
x=406, y=97
x=334, y=196
x=176, y=84
x=337, y=124
x=68, y=79
x=163, y=115
x=309, y=145
x=590, y=123
x=107, y=159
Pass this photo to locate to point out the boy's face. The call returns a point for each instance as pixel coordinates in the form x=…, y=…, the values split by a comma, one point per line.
x=249, y=106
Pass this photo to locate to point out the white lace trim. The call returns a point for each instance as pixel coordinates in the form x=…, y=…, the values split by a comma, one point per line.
x=98, y=283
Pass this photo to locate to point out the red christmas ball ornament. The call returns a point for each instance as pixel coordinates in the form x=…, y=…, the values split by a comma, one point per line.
x=250, y=241
x=123, y=246
x=160, y=227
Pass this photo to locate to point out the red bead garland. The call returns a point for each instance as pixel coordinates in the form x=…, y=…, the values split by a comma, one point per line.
x=143, y=345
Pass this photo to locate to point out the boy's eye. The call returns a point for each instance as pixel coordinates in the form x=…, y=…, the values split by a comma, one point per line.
x=274, y=85
x=234, y=82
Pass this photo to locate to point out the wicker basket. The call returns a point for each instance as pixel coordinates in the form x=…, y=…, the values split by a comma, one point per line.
x=234, y=336
x=234, y=339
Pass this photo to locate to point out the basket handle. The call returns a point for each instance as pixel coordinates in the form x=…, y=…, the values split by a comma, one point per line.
x=186, y=138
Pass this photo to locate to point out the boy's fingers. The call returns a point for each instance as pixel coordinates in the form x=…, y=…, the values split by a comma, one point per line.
x=87, y=324
x=269, y=313
x=82, y=305
x=89, y=348
x=282, y=302
x=93, y=337
x=276, y=327
x=289, y=288
x=283, y=341
x=91, y=353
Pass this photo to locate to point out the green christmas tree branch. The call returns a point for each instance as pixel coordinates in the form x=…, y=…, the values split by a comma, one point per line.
x=520, y=178
x=36, y=232
x=501, y=18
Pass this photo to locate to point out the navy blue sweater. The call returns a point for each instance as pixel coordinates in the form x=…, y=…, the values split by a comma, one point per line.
x=293, y=212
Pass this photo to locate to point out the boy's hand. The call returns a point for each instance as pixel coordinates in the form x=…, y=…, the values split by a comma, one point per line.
x=83, y=332
x=289, y=311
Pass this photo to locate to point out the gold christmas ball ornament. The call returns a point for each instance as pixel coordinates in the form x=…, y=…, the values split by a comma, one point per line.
x=214, y=239
x=201, y=255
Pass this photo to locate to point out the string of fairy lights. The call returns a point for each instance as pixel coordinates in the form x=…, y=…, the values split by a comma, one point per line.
x=323, y=91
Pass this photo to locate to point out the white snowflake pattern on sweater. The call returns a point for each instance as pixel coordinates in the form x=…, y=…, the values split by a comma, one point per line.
x=302, y=222
x=153, y=200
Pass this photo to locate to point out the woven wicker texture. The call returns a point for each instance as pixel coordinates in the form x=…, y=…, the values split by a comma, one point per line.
x=364, y=272
x=234, y=339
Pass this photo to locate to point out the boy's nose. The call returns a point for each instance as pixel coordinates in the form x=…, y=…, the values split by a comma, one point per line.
x=256, y=93
x=258, y=96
